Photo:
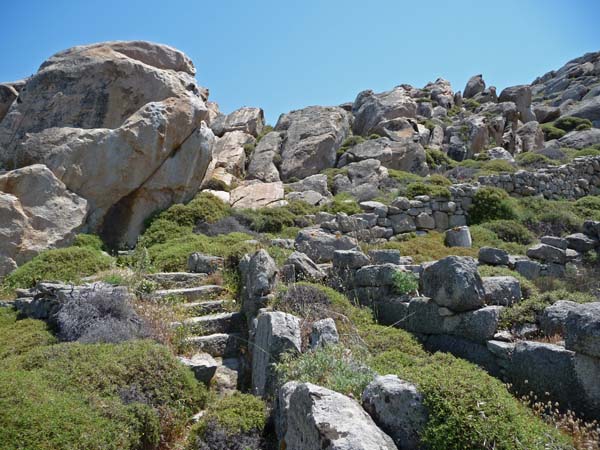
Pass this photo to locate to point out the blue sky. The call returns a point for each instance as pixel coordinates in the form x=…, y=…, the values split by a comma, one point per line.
x=286, y=55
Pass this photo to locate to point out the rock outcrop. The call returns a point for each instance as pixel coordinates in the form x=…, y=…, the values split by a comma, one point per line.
x=93, y=113
x=37, y=212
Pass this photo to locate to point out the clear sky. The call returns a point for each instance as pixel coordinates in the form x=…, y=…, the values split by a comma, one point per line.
x=284, y=55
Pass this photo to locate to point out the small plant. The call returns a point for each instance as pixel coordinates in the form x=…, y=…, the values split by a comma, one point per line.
x=438, y=159
x=405, y=283
x=415, y=189
x=343, y=203
x=570, y=123
x=491, y=203
x=552, y=132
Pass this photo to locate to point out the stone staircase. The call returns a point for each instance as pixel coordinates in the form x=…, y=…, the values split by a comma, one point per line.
x=214, y=328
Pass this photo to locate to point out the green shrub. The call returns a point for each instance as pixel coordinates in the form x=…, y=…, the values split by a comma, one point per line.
x=349, y=142
x=64, y=264
x=266, y=130
x=534, y=159
x=405, y=283
x=467, y=407
x=20, y=336
x=162, y=230
x=97, y=396
x=552, y=132
x=204, y=207
x=549, y=216
x=484, y=237
x=437, y=158
x=497, y=166
x=88, y=240
x=471, y=104
x=438, y=180
x=217, y=185
x=332, y=367
x=510, y=231
x=343, y=203
x=415, y=189
x=266, y=220
x=588, y=207
x=236, y=413
x=491, y=203
x=570, y=123
x=172, y=255
x=331, y=174
x=429, y=247
x=587, y=151
x=249, y=149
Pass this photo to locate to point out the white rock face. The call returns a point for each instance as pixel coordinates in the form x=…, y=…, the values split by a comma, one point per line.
x=317, y=418
x=37, y=212
x=254, y=194
x=105, y=119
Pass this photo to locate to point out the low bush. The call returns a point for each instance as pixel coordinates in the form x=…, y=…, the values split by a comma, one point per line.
x=510, y=231
x=570, y=123
x=405, y=283
x=551, y=132
x=530, y=159
x=496, y=166
x=233, y=422
x=64, y=264
x=343, y=203
x=404, y=178
x=131, y=396
x=438, y=180
x=331, y=174
x=204, y=207
x=438, y=159
x=101, y=316
x=20, y=336
x=88, y=240
x=266, y=220
x=484, y=237
x=491, y=203
x=549, y=216
x=432, y=190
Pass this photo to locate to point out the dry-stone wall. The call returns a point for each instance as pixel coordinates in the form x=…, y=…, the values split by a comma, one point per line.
x=569, y=181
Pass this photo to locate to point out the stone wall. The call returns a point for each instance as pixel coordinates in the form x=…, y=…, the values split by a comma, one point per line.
x=569, y=181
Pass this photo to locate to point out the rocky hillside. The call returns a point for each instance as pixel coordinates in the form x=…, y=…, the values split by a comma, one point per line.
x=414, y=269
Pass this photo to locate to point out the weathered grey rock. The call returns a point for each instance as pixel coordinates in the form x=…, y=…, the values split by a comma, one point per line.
x=316, y=183
x=520, y=96
x=317, y=418
x=453, y=282
x=591, y=228
x=555, y=241
x=532, y=137
x=320, y=246
x=588, y=109
x=405, y=155
x=529, y=269
x=580, y=139
x=545, y=113
x=324, y=333
x=247, y=120
x=254, y=194
x=304, y=267
x=503, y=290
x=547, y=253
x=397, y=408
x=8, y=95
x=500, y=153
x=258, y=273
x=362, y=180
x=229, y=153
x=458, y=237
x=37, y=212
x=581, y=242
x=474, y=86
x=493, y=256
x=386, y=256
x=93, y=112
x=380, y=275
x=350, y=259
x=312, y=137
x=553, y=319
x=203, y=365
x=371, y=110
x=264, y=158
x=276, y=333
x=201, y=263
x=582, y=329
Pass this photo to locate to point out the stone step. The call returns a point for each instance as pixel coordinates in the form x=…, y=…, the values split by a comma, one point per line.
x=227, y=322
x=206, y=307
x=217, y=344
x=192, y=294
x=176, y=279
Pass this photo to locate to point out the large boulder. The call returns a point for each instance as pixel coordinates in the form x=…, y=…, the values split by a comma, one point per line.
x=8, y=95
x=474, y=86
x=320, y=246
x=532, y=136
x=264, y=158
x=254, y=194
x=312, y=138
x=362, y=179
x=37, y=212
x=318, y=418
x=454, y=282
x=580, y=139
x=93, y=113
x=247, y=120
x=405, y=155
x=521, y=96
x=554, y=317
x=304, y=267
x=588, y=109
x=398, y=408
x=229, y=153
x=276, y=333
x=372, y=110
x=258, y=273
x=582, y=329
